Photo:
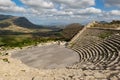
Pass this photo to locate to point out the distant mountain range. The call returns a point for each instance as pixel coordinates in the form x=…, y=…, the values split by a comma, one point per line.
x=3, y=17
x=20, y=24
x=18, y=21
x=23, y=22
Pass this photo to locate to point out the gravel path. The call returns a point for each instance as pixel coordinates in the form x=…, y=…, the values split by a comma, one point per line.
x=47, y=57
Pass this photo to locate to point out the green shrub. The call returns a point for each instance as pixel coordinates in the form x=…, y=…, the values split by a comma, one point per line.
x=6, y=60
x=105, y=35
x=12, y=41
x=3, y=54
x=0, y=54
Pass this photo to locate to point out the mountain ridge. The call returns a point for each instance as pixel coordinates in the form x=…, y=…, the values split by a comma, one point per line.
x=19, y=24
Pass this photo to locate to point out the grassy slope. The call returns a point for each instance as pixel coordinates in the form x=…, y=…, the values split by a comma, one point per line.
x=19, y=32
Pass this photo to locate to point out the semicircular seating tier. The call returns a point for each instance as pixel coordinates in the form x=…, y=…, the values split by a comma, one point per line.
x=95, y=52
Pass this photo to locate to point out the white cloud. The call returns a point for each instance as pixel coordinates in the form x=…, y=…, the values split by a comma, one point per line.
x=70, y=10
x=90, y=10
x=6, y=3
x=38, y=4
x=63, y=4
x=111, y=3
x=115, y=12
x=63, y=10
x=75, y=3
x=10, y=6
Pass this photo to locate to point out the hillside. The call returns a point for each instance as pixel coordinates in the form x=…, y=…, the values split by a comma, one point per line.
x=18, y=21
x=25, y=23
x=3, y=17
x=71, y=30
x=19, y=32
x=20, y=24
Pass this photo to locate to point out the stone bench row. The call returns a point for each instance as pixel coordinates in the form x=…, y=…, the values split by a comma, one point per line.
x=104, y=54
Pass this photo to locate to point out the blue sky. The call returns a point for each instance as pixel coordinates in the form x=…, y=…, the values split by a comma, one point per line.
x=48, y=12
x=18, y=2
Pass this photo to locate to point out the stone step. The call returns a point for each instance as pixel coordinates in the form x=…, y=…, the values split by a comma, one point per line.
x=112, y=56
x=113, y=64
x=94, y=54
x=114, y=40
x=112, y=45
x=89, y=49
x=91, y=55
x=101, y=54
x=114, y=49
x=115, y=36
x=105, y=55
x=85, y=53
x=81, y=54
x=115, y=43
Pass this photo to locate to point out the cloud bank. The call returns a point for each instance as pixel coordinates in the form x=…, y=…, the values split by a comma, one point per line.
x=62, y=10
